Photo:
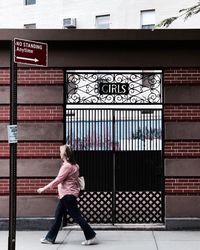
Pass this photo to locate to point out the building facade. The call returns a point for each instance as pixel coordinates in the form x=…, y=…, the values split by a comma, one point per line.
x=89, y=14
x=160, y=185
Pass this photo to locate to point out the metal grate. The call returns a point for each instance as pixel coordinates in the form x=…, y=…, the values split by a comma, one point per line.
x=96, y=207
x=121, y=130
x=139, y=207
x=110, y=87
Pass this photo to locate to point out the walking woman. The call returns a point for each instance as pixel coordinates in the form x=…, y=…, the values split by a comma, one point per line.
x=68, y=191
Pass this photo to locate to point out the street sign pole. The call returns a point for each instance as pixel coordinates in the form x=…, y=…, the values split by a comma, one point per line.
x=13, y=153
x=23, y=52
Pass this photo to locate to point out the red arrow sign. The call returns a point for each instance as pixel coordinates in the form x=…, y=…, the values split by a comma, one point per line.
x=30, y=52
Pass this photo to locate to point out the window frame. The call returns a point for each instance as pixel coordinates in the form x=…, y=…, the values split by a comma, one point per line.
x=144, y=25
x=96, y=21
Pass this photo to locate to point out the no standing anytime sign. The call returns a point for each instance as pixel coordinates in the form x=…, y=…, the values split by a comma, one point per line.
x=30, y=52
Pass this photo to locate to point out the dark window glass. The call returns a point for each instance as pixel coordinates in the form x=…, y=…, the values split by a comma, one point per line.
x=29, y=2
x=149, y=26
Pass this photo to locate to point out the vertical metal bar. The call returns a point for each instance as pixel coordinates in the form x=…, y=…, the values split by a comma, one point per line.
x=65, y=96
x=102, y=136
x=114, y=169
x=89, y=130
x=82, y=136
x=106, y=130
x=138, y=127
x=72, y=127
x=162, y=153
x=124, y=130
x=119, y=129
x=139, y=146
x=157, y=141
x=81, y=128
x=117, y=139
x=78, y=136
x=95, y=129
x=129, y=129
x=154, y=130
x=75, y=129
x=126, y=122
x=133, y=129
x=151, y=129
x=13, y=153
x=144, y=129
x=98, y=130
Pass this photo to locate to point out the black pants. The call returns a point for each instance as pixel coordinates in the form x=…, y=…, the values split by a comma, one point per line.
x=69, y=203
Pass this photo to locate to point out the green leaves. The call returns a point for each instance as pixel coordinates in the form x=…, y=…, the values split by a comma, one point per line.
x=166, y=22
x=185, y=13
x=190, y=11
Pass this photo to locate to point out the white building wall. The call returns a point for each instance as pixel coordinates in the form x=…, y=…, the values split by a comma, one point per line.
x=124, y=14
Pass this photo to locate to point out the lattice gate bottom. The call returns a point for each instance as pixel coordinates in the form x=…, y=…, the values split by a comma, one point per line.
x=139, y=207
x=130, y=207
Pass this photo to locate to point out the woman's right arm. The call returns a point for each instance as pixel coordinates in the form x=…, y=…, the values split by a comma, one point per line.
x=62, y=174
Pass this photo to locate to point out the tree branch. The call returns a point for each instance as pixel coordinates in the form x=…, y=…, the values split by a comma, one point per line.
x=186, y=13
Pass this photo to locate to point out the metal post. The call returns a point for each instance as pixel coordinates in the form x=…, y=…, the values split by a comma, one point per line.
x=13, y=152
x=114, y=170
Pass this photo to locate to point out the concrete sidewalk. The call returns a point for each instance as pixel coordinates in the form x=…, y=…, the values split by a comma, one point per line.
x=118, y=240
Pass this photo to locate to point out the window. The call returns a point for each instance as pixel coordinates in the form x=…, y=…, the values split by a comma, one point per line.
x=30, y=26
x=147, y=19
x=103, y=22
x=29, y=2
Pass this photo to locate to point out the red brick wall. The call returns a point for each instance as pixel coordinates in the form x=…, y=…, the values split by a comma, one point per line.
x=4, y=76
x=32, y=150
x=185, y=186
x=33, y=76
x=33, y=113
x=182, y=112
x=182, y=148
x=182, y=76
x=36, y=113
x=26, y=186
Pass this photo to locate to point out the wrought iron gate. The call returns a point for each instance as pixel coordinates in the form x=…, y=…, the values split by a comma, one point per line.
x=118, y=147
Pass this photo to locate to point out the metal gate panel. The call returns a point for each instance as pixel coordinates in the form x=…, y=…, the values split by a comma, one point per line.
x=117, y=144
x=90, y=132
x=89, y=129
x=138, y=165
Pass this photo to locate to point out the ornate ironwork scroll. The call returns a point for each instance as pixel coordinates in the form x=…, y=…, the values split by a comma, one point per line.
x=114, y=88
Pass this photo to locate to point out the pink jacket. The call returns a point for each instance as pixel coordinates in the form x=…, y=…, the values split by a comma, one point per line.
x=66, y=180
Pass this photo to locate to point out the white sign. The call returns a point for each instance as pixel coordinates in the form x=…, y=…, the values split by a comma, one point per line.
x=12, y=133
